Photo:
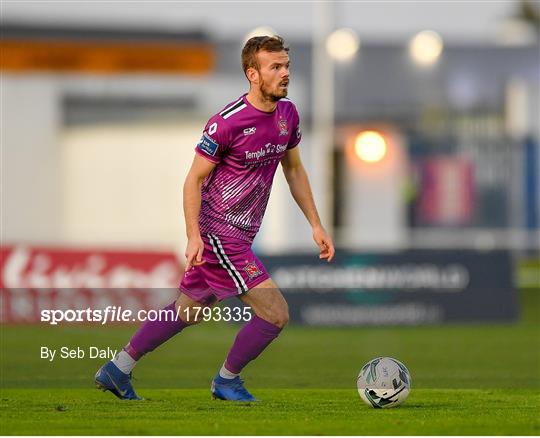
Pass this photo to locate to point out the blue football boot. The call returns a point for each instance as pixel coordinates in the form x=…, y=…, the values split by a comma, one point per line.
x=230, y=389
x=110, y=378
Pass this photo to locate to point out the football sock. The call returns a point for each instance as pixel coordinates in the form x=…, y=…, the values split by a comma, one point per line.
x=152, y=334
x=250, y=341
x=124, y=362
x=226, y=374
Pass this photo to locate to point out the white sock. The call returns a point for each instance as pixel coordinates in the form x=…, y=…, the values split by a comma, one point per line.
x=226, y=374
x=124, y=362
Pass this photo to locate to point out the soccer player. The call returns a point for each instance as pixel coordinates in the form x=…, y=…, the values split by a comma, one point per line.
x=225, y=196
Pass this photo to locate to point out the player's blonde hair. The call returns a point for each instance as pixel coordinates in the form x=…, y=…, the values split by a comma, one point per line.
x=257, y=44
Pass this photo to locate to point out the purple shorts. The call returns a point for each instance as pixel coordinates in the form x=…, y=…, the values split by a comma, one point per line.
x=230, y=269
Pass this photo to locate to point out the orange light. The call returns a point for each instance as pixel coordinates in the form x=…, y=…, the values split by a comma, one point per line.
x=370, y=146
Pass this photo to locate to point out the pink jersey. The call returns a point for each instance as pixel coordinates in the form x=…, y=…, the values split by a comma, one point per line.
x=247, y=145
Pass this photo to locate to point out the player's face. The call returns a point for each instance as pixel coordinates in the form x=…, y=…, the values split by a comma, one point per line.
x=273, y=74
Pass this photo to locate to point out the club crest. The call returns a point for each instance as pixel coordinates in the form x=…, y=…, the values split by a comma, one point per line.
x=283, y=128
x=252, y=270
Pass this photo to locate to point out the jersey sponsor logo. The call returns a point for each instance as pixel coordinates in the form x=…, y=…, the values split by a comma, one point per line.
x=252, y=270
x=269, y=150
x=283, y=128
x=250, y=131
x=208, y=145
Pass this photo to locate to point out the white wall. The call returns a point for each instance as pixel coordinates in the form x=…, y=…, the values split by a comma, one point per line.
x=31, y=183
x=123, y=183
x=105, y=185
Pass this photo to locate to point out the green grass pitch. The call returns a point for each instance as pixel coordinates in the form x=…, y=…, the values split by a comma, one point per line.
x=467, y=379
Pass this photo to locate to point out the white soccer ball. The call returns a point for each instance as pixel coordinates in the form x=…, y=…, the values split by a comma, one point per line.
x=384, y=382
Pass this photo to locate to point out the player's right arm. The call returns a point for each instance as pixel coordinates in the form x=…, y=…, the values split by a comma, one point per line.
x=209, y=152
x=200, y=169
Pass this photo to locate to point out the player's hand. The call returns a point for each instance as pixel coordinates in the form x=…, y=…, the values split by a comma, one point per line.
x=324, y=242
x=194, y=252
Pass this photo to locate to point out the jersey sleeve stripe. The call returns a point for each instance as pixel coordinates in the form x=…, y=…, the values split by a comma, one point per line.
x=234, y=111
x=233, y=106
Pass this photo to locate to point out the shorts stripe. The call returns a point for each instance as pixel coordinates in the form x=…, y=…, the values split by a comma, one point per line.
x=240, y=278
x=243, y=285
x=224, y=261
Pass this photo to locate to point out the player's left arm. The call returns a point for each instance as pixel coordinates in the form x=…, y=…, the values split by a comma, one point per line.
x=298, y=181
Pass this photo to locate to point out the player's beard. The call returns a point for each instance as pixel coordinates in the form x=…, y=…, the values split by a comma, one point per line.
x=268, y=94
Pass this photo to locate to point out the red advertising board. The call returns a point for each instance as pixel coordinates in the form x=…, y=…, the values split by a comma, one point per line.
x=36, y=278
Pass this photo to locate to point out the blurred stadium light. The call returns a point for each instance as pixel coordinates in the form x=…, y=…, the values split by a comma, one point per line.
x=342, y=44
x=370, y=146
x=426, y=47
x=260, y=31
